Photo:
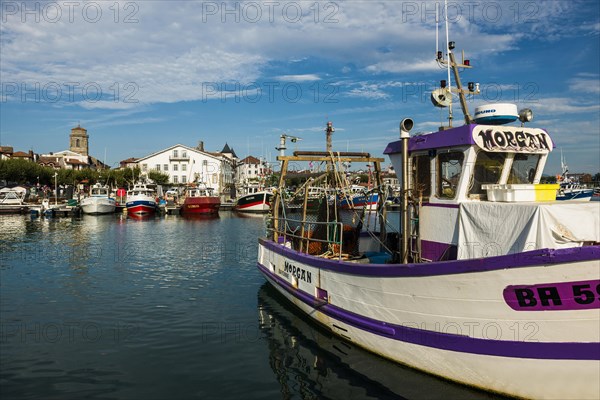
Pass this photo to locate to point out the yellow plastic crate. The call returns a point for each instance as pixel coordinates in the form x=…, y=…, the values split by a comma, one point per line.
x=546, y=191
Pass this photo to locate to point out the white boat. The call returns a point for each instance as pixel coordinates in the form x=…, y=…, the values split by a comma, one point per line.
x=255, y=199
x=141, y=200
x=99, y=201
x=11, y=201
x=570, y=189
x=492, y=282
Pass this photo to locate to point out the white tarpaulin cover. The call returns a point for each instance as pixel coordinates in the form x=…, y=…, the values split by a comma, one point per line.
x=489, y=229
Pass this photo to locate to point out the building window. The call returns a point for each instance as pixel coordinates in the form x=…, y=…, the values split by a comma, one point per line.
x=184, y=167
x=144, y=167
x=158, y=167
x=204, y=163
x=183, y=179
x=76, y=142
x=174, y=167
x=175, y=153
x=184, y=154
x=175, y=179
x=165, y=167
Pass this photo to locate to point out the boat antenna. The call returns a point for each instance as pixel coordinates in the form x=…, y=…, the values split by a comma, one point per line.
x=437, y=28
x=448, y=51
x=442, y=97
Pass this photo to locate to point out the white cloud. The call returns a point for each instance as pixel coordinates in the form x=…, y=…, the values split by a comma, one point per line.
x=585, y=83
x=179, y=51
x=189, y=50
x=299, y=78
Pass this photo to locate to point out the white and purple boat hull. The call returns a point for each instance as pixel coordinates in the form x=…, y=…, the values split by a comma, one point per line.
x=527, y=325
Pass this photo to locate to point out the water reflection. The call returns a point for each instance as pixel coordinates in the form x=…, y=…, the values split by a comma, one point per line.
x=310, y=362
x=200, y=217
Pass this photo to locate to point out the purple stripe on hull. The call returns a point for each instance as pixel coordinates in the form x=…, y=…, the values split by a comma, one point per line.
x=540, y=258
x=446, y=341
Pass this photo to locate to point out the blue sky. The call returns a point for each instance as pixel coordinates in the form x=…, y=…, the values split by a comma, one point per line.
x=144, y=75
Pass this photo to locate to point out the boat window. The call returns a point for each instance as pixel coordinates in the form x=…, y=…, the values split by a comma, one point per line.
x=487, y=169
x=449, y=169
x=523, y=168
x=422, y=175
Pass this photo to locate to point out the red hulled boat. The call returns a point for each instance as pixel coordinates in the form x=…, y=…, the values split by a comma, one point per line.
x=199, y=199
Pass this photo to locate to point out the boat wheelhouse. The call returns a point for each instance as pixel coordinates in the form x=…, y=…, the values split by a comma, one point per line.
x=141, y=200
x=99, y=201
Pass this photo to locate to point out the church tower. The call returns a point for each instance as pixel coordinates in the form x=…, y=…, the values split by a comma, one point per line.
x=79, y=141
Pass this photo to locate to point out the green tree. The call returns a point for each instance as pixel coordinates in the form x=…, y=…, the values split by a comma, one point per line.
x=160, y=178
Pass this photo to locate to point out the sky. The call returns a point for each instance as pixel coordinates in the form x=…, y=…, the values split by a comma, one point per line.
x=141, y=76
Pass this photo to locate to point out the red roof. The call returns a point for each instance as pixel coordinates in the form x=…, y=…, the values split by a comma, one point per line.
x=250, y=160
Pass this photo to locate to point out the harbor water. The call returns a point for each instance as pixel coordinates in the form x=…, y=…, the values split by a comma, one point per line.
x=109, y=307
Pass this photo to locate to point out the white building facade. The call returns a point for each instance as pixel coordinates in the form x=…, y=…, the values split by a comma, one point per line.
x=250, y=170
x=186, y=165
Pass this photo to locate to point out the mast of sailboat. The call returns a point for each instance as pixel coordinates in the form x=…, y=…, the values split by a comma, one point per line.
x=563, y=166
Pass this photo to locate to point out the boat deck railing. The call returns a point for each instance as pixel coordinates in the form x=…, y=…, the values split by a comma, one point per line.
x=322, y=239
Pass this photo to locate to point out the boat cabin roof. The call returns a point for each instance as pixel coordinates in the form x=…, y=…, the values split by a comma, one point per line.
x=493, y=138
x=459, y=164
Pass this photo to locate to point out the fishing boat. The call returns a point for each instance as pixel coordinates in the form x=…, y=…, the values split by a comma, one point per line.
x=199, y=199
x=487, y=281
x=359, y=196
x=570, y=189
x=141, y=200
x=99, y=201
x=255, y=199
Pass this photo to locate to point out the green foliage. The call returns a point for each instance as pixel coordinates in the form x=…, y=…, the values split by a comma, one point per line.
x=26, y=172
x=548, y=179
x=160, y=178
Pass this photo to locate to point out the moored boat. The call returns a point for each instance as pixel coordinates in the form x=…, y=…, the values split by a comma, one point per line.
x=258, y=202
x=570, y=189
x=359, y=197
x=99, y=201
x=488, y=281
x=141, y=200
x=199, y=199
x=11, y=201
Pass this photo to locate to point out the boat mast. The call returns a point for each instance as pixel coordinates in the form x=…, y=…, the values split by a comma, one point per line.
x=446, y=86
